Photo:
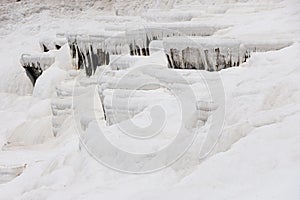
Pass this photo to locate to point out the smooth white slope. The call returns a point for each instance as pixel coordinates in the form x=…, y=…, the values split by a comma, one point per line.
x=258, y=156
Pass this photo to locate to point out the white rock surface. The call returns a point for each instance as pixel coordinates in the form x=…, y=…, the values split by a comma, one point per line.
x=257, y=154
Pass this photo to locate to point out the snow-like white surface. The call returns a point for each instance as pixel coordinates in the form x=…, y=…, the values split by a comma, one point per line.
x=257, y=155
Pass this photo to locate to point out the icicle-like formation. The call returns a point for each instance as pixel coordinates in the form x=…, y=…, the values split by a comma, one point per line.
x=52, y=44
x=202, y=53
x=140, y=38
x=91, y=51
x=213, y=54
x=36, y=64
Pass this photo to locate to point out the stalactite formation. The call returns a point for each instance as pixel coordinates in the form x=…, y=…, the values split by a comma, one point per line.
x=35, y=65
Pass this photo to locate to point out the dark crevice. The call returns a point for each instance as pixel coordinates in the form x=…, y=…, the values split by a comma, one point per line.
x=45, y=49
x=57, y=46
x=33, y=72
